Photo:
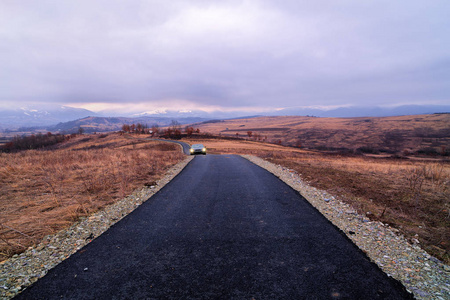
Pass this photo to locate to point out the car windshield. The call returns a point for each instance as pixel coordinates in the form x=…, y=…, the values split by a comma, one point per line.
x=197, y=146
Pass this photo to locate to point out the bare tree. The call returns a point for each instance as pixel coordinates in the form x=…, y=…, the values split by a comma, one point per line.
x=189, y=130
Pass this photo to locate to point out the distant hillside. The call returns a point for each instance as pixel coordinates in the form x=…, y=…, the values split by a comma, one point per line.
x=42, y=116
x=103, y=124
x=416, y=133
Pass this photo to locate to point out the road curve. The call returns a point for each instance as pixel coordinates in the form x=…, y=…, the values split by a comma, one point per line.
x=224, y=228
x=185, y=146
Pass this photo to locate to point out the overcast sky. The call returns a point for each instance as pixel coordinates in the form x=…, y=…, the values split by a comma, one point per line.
x=226, y=55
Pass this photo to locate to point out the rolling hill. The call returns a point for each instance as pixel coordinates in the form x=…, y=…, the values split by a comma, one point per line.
x=104, y=124
x=415, y=133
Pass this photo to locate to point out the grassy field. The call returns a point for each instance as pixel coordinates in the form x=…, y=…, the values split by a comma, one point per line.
x=420, y=134
x=410, y=195
x=43, y=191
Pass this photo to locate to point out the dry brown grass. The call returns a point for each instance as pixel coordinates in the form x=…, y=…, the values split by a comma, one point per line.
x=411, y=195
x=403, y=134
x=44, y=191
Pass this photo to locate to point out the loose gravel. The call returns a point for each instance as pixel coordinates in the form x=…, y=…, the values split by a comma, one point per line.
x=23, y=269
x=423, y=275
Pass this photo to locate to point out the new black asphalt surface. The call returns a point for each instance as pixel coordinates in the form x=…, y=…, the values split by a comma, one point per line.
x=224, y=228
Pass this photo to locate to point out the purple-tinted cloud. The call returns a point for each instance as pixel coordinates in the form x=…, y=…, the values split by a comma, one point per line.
x=225, y=54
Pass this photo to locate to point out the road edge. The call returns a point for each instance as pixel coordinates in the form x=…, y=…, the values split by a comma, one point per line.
x=373, y=238
x=24, y=269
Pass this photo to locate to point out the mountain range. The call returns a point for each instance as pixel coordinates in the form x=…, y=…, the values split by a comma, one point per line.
x=54, y=118
x=40, y=116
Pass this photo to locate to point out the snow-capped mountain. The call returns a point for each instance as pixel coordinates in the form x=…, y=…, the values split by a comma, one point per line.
x=170, y=113
x=31, y=116
x=177, y=114
x=339, y=112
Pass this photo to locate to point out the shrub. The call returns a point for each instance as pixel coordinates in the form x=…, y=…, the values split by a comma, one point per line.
x=367, y=149
x=427, y=151
x=37, y=141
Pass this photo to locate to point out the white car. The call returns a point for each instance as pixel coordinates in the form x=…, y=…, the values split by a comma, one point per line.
x=198, y=149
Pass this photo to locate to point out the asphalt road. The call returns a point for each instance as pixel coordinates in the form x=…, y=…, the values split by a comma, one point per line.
x=184, y=145
x=224, y=228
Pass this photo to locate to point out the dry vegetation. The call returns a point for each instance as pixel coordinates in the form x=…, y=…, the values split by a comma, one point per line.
x=43, y=191
x=411, y=195
x=404, y=135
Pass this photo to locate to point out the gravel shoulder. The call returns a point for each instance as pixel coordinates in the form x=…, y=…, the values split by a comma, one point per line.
x=24, y=269
x=423, y=275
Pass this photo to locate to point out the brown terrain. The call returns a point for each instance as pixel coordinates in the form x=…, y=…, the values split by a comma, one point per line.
x=395, y=170
x=43, y=191
x=426, y=134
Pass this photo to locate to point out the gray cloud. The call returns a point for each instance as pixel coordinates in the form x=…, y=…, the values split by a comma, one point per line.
x=229, y=54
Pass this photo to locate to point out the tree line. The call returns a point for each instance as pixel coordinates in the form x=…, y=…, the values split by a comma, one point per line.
x=173, y=131
x=34, y=141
